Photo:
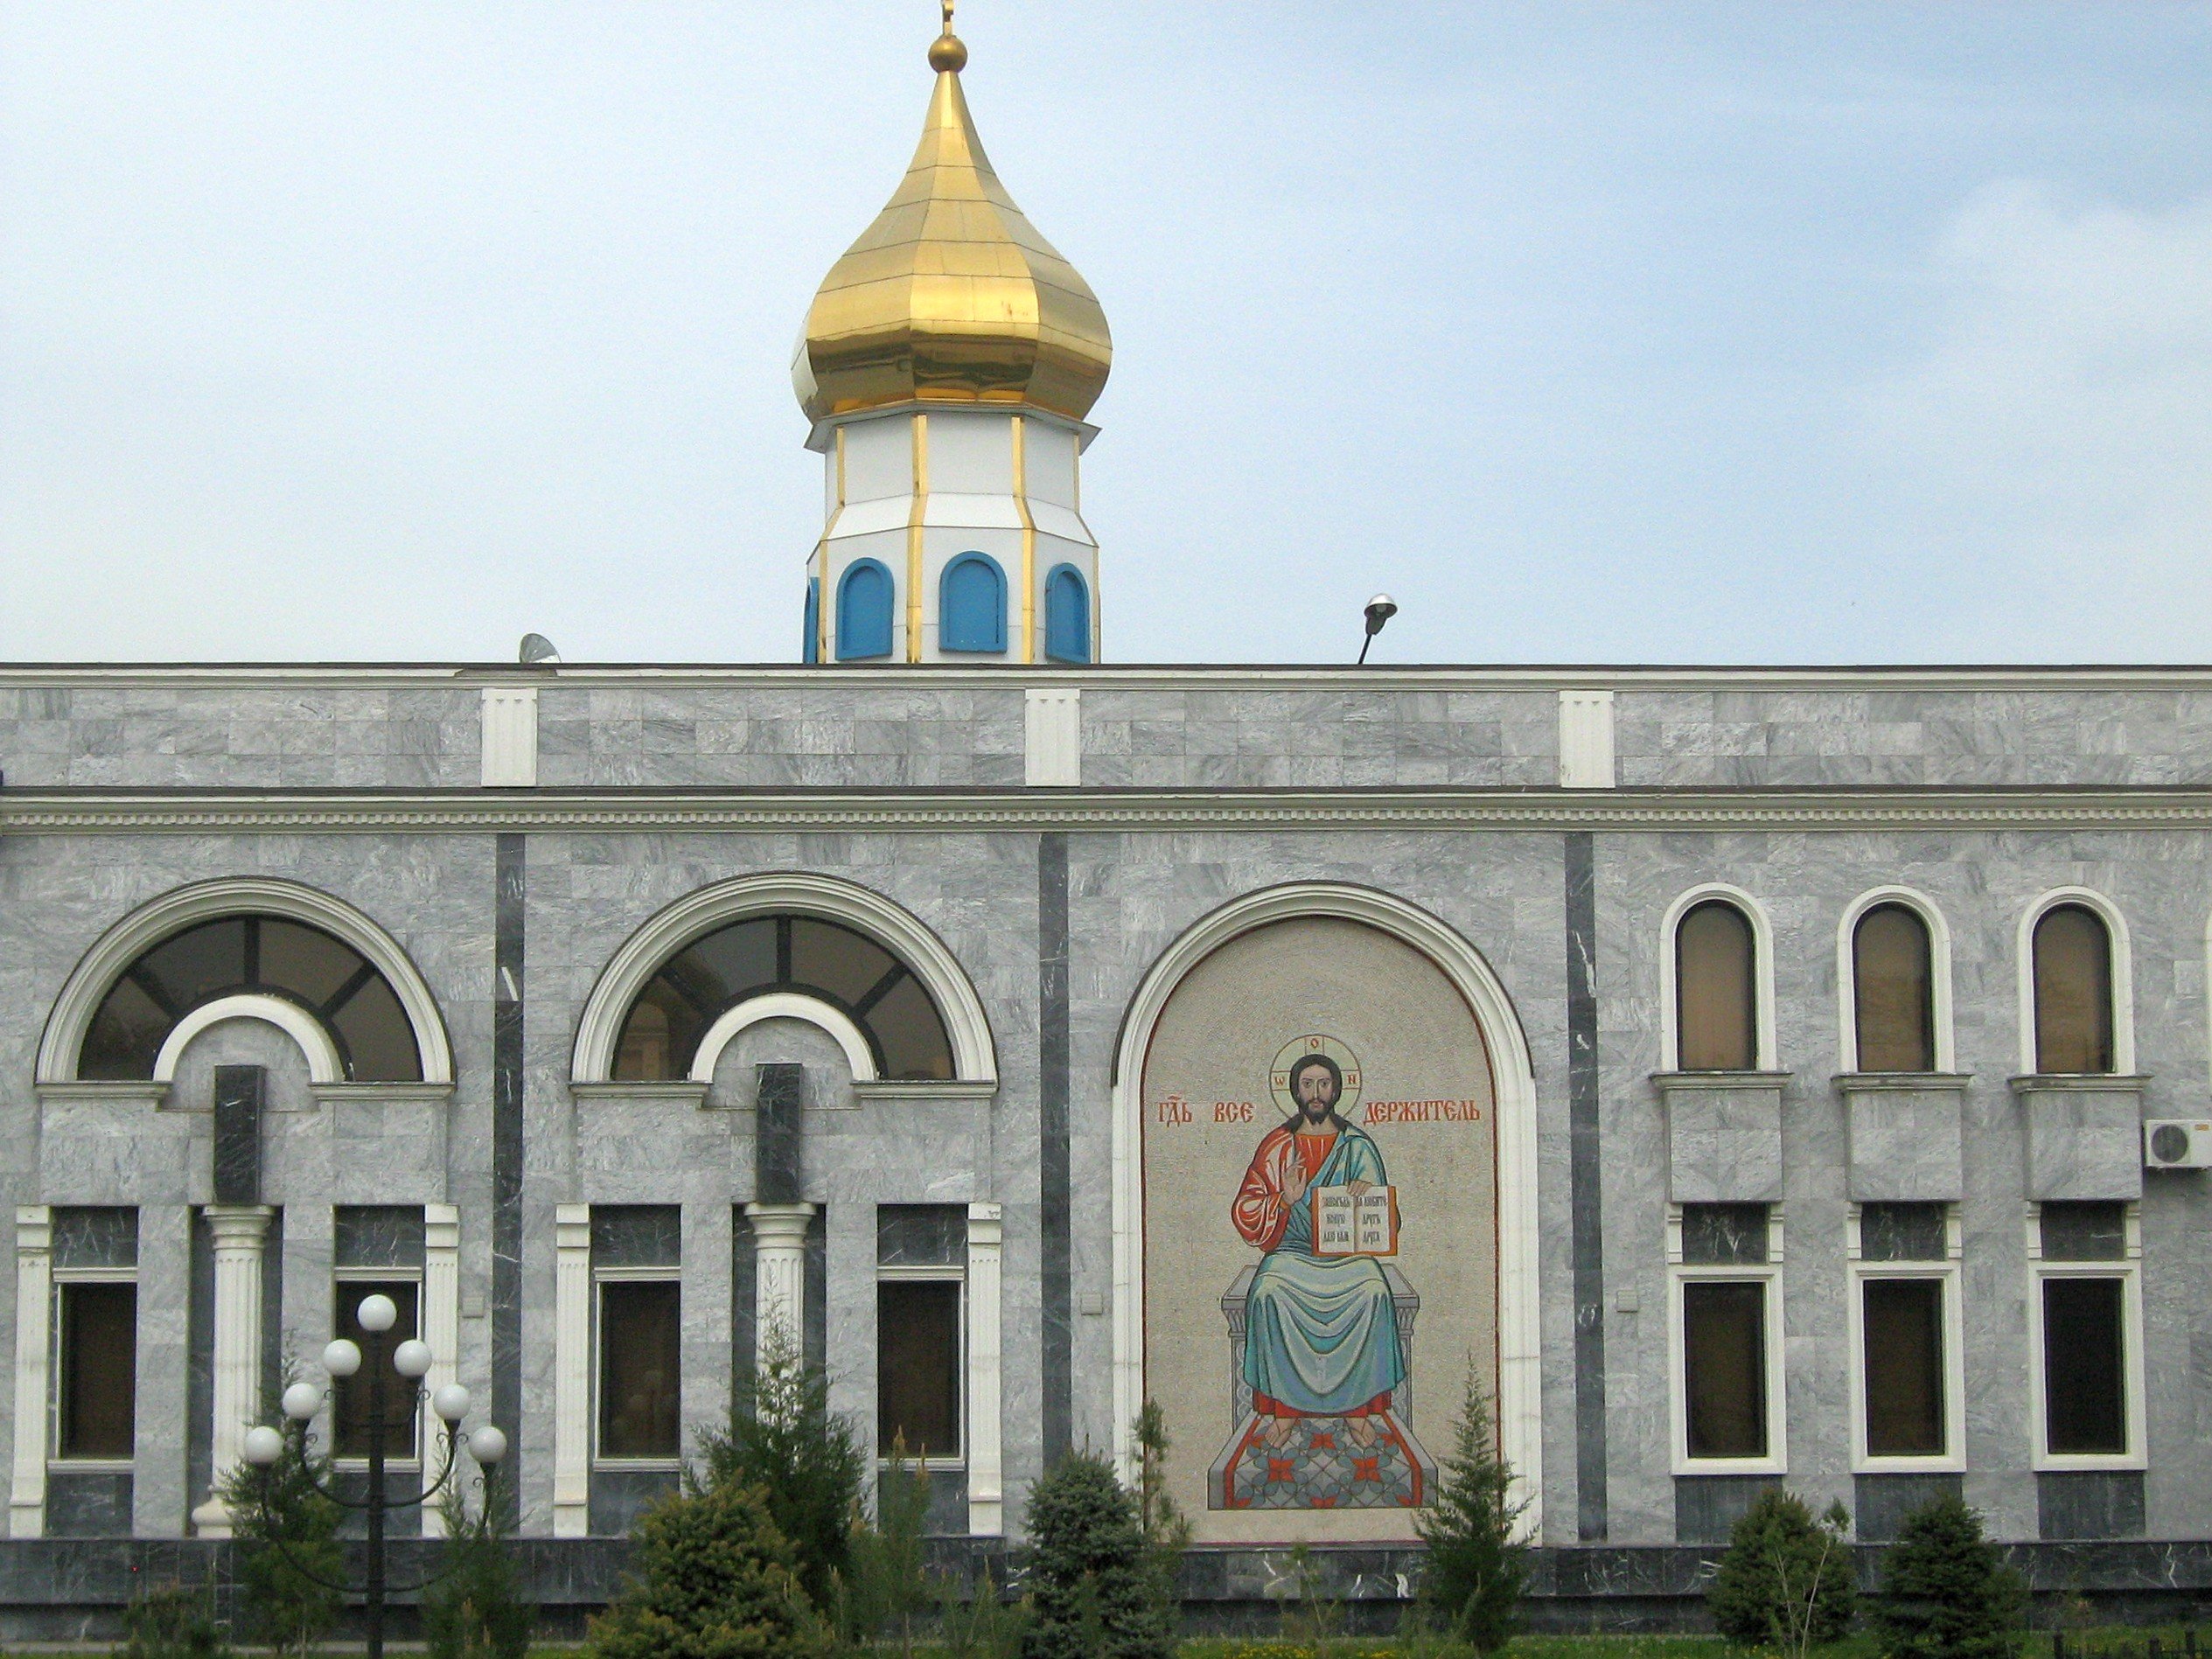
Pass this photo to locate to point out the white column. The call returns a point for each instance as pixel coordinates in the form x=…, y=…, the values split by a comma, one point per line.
x=34, y=1336
x=442, y=1330
x=779, y=1270
x=985, y=1474
x=572, y=1370
x=239, y=1231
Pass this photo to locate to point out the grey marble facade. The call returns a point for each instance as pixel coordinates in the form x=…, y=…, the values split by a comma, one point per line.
x=1436, y=787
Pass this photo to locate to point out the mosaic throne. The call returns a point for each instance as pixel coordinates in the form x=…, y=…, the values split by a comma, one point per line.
x=1322, y=1468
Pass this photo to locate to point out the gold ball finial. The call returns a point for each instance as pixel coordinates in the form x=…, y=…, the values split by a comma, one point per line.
x=947, y=54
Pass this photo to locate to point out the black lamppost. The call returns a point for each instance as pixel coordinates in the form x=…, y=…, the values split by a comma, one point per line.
x=410, y=1361
x=1380, y=610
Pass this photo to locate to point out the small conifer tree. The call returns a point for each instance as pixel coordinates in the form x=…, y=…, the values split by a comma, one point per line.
x=1786, y=1579
x=1946, y=1593
x=473, y=1611
x=1477, y=1571
x=783, y=1440
x=288, y=1531
x=712, y=1578
x=1093, y=1585
x=173, y=1621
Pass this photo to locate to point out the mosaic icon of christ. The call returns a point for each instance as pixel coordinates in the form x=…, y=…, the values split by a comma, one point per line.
x=1322, y=1336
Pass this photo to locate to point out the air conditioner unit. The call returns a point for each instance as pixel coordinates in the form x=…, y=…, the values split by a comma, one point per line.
x=2177, y=1143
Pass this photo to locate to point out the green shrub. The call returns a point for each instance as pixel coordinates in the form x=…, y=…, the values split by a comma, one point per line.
x=1946, y=1593
x=286, y=1543
x=1094, y=1583
x=712, y=1578
x=890, y=1584
x=1477, y=1571
x=172, y=1622
x=1786, y=1580
x=783, y=1440
x=981, y=1624
x=473, y=1611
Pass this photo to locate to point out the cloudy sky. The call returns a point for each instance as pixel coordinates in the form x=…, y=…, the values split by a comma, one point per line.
x=1682, y=332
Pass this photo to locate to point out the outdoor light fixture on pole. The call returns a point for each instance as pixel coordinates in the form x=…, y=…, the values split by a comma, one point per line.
x=1380, y=610
x=410, y=1361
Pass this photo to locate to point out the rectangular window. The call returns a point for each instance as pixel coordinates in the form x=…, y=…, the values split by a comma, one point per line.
x=352, y=1407
x=1907, y=1381
x=921, y=1253
x=1727, y=1379
x=2088, y=1319
x=95, y=1333
x=637, y=1255
x=99, y=1380
x=1904, y=1360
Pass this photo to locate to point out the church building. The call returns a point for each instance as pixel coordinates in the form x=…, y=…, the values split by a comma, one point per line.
x=1741, y=1077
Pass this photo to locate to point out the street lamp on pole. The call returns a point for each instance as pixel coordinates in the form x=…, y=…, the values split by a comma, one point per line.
x=409, y=1361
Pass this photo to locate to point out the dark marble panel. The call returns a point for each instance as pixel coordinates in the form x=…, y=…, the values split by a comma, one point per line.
x=239, y=1091
x=1586, y=1189
x=96, y=1235
x=637, y=1236
x=619, y=1496
x=2090, y=1504
x=1881, y=1503
x=88, y=1503
x=377, y=1236
x=199, y=1366
x=1056, y=1264
x=1902, y=1232
x=921, y=1235
x=1707, y=1507
x=780, y=1092
x=510, y=894
x=1732, y=1235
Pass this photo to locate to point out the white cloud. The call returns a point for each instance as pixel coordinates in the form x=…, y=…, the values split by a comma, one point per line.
x=2059, y=432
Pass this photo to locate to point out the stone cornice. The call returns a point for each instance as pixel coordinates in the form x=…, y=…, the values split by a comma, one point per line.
x=1333, y=678
x=32, y=811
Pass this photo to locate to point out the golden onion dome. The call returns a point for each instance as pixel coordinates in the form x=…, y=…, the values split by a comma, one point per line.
x=951, y=295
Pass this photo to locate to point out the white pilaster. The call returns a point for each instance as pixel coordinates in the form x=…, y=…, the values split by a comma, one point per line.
x=572, y=1371
x=509, y=754
x=1052, y=747
x=239, y=1231
x=34, y=1336
x=986, y=1471
x=442, y=1330
x=1586, y=739
x=779, y=1270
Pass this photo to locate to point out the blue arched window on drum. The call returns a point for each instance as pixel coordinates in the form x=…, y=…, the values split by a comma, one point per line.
x=864, y=611
x=971, y=604
x=1067, y=615
x=810, y=650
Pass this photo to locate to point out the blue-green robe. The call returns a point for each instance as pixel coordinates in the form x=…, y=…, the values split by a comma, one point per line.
x=1321, y=1334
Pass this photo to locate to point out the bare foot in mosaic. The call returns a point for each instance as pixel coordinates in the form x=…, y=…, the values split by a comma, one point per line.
x=1278, y=1430
x=1362, y=1429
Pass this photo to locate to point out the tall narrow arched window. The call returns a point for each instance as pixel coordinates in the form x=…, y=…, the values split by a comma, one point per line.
x=864, y=611
x=971, y=604
x=2073, y=968
x=1893, y=990
x=1067, y=615
x=1716, y=989
x=810, y=648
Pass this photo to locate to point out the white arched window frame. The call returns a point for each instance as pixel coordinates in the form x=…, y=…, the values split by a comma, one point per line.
x=1520, y=1420
x=172, y=913
x=1939, y=972
x=2123, y=974
x=1762, y=975
x=784, y=1005
x=645, y=952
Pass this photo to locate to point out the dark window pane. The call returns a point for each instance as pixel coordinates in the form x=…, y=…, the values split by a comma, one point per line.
x=1724, y=1235
x=921, y=1235
x=2084, y=1405
x=640, y=1361
x=2073, y=992
x=1724, y=1342
x=1900, y=1232
x=1904, y=1367
x=309, y=964
x=353, y=1420
x=99, y=1369
x=1893, y=989
x=918, y=1377
x=379, y=1041
x=2090, y=1231
x=125, y=1035
x=911, y=1036
x=187, y=970
x=1716, y=1010
x=734, y=960
x=825, y=956
x=659, y=1037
